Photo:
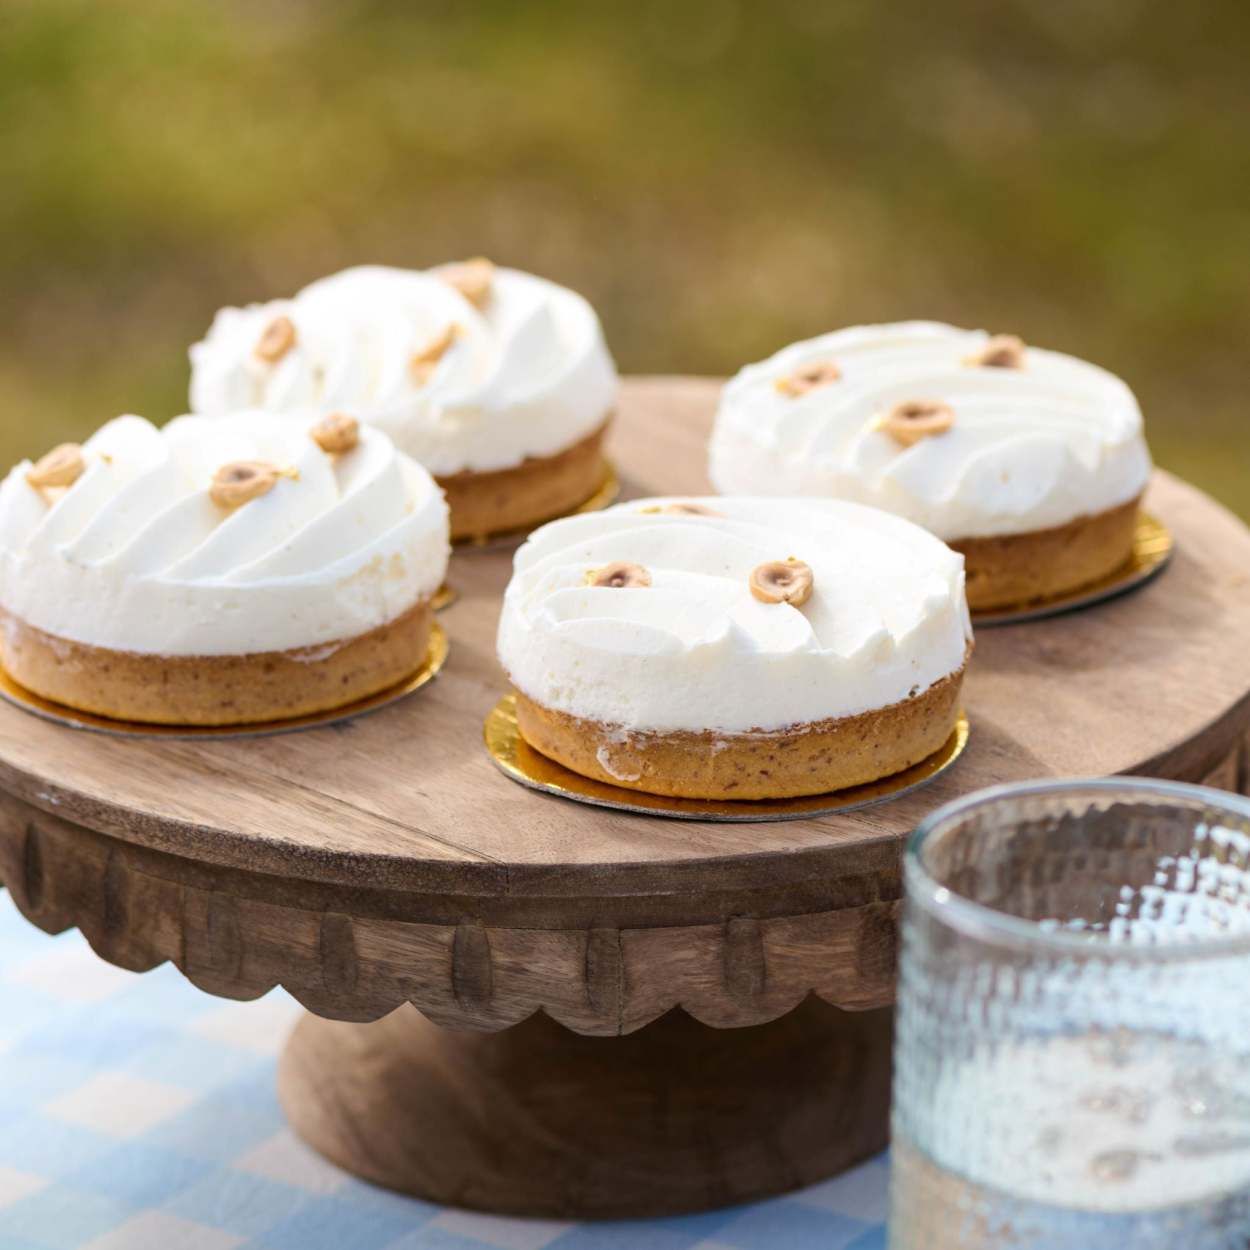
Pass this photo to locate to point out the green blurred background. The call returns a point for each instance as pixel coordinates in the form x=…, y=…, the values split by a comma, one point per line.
x=719, y=177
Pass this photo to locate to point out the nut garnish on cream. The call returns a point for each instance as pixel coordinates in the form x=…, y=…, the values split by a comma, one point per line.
x=685, y=508
x=472, y=278
x=782, y=581
x=618, y=574
x=277, y=338
x=425, y=359
x=62, y=466
x=1037, y=439
x=468, y=368
x=224, y=536
x=241, y=481
x=337, y=434
x=808, y=378
x=913, y=419
x=1003, y=351
x=861, y=609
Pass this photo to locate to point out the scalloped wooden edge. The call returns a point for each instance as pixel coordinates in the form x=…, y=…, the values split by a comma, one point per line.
x=142, y=909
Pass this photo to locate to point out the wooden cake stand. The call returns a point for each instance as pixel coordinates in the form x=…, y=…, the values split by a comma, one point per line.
x=522, y=955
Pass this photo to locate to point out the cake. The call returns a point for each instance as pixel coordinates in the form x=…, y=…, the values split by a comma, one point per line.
x=215, y=572
x=1030, y=463
x=735, y=648
x=497, y=381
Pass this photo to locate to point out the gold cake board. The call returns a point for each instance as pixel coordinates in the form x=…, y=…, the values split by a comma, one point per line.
x=518, y=760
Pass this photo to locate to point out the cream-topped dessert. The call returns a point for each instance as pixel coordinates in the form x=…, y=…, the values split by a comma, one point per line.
x=497, y=381
x=1029, y=462
x=241, y=569
x=736, y=647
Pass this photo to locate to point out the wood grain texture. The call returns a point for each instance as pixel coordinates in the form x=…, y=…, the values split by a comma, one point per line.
x=538, y=1121
x=386, y=861
x=404, y=799
x=239, y=936
x=384, y=864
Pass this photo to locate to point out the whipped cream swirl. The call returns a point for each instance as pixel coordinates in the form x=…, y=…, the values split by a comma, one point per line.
x=1029, y=448
x=695, y=650
x=135, y=555
x=528, y=374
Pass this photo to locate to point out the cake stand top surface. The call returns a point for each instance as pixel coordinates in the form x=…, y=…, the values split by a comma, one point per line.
x=406, y=799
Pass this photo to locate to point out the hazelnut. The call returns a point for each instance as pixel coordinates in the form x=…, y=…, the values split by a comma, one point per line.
x=472, y=278
x=914, y=419
x=276, y=340
x=782, y=581
x=241, y=481
x=336, y=434
x=425, y=360
x=618, y=574
x=808, y=378
x=62, y=466
x=1003, y=351
x=679, y=509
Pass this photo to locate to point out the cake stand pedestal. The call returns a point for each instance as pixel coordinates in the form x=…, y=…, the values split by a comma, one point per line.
x=578, y=1012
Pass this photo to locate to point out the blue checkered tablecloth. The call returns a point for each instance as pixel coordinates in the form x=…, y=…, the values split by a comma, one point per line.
x=138, y=1114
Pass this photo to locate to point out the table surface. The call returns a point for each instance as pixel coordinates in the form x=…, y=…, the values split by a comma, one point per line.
x=406, y=799
x=137, y=1113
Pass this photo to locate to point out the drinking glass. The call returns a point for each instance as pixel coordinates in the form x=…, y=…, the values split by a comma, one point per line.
x=1073, y=1046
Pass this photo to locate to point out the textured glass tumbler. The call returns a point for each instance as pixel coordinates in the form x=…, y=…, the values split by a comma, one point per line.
x=1072, y=1067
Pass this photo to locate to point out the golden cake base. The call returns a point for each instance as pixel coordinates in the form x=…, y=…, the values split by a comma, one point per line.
x=605, y=494
x=444, y=597
x=16, y=694
x=1152, y=549
x=538, y=489
x=518, y=760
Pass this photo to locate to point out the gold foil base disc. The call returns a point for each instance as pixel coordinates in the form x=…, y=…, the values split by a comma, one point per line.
x=518, y=760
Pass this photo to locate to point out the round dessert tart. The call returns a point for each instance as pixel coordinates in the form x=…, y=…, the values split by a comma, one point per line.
x=1028, y=462
x=736, y=648
x=497, y=381
x=219, y=572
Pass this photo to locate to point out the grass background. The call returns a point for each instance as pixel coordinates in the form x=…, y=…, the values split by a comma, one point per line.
x=719, y=177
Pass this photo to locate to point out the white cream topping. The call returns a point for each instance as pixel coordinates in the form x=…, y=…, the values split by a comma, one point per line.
x=135, y=555
x=1030, y=448
x=695, y=650
x=529, y=374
